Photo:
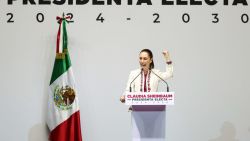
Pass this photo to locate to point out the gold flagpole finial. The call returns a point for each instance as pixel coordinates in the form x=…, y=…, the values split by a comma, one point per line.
x=63, y=16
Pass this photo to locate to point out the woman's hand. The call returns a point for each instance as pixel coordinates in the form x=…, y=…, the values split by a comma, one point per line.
x=122, y=99
x=166, y=55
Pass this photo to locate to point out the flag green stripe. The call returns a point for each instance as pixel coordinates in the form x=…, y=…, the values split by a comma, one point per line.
x=60, y=66
x=65, y=36
x=62, y=61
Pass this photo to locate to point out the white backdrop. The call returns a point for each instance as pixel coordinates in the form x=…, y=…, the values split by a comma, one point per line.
x=211, y=69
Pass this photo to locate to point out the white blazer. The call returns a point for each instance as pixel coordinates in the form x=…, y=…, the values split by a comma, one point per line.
x=154, y=80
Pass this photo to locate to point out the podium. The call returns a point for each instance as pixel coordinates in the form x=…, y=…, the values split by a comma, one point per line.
x=148, y=114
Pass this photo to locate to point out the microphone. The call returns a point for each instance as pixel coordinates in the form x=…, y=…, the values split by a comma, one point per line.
x=130, y=88
x=162, y=80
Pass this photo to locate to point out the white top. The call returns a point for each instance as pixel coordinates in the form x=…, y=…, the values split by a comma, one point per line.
x=154, y=80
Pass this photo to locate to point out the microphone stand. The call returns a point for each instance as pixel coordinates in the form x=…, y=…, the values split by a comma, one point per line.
x=162, y=80
x=130, y=88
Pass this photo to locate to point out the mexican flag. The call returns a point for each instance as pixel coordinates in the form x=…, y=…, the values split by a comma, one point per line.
x=63, y=117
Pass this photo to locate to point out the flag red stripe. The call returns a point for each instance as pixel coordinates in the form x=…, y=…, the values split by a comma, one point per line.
x=58, y=39
x=69, y=130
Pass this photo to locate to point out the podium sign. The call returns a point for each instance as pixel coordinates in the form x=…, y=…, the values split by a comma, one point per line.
x=149, y=98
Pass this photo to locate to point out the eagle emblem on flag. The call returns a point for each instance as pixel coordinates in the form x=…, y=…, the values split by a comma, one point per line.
x=64, y=97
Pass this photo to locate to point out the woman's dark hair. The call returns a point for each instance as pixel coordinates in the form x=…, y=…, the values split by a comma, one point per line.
x=150, y=54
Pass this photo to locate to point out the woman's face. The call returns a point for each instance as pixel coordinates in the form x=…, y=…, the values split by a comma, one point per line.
x=144, y=60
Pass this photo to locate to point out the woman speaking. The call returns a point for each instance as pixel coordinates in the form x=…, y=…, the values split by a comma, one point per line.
x=146, y=79
x=148, y=121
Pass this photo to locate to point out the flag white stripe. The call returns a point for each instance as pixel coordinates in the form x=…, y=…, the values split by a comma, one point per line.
x=55, y=115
